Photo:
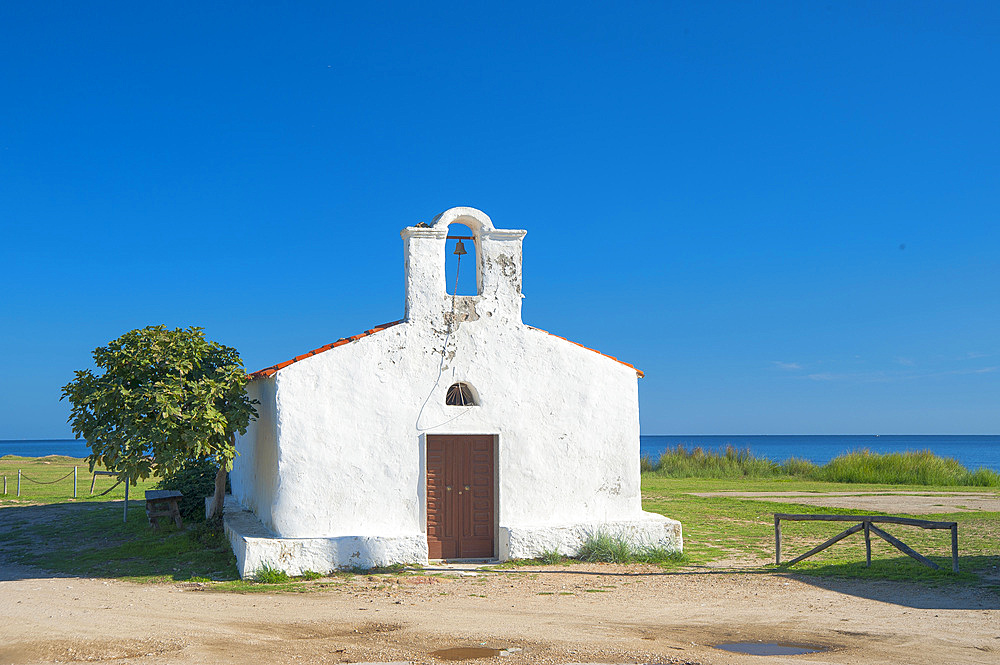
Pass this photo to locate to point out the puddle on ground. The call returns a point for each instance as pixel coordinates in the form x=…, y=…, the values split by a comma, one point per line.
x=465, y=653
x=768, y=648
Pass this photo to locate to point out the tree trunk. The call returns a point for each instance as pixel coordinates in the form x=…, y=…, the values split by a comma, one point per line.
x=215, y=510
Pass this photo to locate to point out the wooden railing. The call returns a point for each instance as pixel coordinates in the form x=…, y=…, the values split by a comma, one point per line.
x=867, y=524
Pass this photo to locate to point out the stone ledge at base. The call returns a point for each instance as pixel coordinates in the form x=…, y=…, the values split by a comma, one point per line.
x=255, y=547
x=647, y=530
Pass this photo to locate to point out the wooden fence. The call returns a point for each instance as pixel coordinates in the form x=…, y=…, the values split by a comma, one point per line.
x=867, y=524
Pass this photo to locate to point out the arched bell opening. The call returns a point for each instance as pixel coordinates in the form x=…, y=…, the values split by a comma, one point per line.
x=461, y=261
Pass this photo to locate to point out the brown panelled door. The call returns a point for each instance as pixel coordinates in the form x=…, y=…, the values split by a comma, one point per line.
x=460, y=496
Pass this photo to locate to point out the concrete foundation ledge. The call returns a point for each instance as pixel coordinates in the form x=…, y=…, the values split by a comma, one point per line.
x=256, y=547
x=647, y=530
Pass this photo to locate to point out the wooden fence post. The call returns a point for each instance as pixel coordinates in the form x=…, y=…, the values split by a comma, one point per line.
x=19, y=482
x=868, y=544
x=74, y=482
x=777, y=540
x=954, y=547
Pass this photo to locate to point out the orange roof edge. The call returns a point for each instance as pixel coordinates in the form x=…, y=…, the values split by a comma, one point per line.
x=273, y=369
x=637, y=370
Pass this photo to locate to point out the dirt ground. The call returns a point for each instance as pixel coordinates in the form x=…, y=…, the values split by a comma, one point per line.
x=582, y=613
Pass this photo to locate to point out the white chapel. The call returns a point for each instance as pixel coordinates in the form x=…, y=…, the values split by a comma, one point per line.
x=457, y=432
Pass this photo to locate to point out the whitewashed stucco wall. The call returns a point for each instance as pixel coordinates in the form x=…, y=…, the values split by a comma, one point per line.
x=351, y=422
x=255, y=477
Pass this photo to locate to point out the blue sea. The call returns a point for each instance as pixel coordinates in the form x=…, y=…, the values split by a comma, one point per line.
x=43, y=447
x=972, y=451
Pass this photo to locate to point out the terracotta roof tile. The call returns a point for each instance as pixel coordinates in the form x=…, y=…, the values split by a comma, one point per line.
x=637, y=371
x=273, y=369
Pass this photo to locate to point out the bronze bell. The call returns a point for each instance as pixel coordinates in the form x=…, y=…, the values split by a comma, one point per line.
x=459, y=248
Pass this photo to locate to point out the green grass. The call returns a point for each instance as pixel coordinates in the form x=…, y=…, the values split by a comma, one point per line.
x=270, y=575
x=394, y=569
x=911, y=468
x=54, y=474
x=546, y=558
x=550, y=557
x=681, y=462
x=741, y=530
x=602, y=548
x=251, y=586
x=605, y=548
x=860, y=466
x=92, y=541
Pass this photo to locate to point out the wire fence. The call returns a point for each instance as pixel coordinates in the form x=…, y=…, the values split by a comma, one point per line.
x=21, y=476
x=45, y=495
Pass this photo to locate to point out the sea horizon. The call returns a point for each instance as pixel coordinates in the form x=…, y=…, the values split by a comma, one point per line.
x=971, y=450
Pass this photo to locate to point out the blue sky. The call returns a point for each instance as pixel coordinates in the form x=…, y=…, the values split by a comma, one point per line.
x=786, y=215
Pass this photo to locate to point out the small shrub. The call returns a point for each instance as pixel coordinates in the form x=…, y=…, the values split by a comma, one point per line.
x=210, y=535
x=681, y=462
x=604, y=548
x=270, y=575
x=196, y=480
x=983, y=477
x=796, y=466
x=311, y=575
x=550, y=557
x=601, y=547
x=909, y=468
x=646, y=464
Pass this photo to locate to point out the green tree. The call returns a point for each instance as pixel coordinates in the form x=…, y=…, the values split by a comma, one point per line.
x=164, y=397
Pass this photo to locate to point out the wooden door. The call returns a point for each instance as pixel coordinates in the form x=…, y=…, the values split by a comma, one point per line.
x=460, y=496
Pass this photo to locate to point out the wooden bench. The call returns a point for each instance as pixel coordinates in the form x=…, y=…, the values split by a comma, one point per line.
x=163, y=503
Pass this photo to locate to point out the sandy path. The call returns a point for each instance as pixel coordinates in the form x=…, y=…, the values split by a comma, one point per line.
x=910, y=503
x=638, y=615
